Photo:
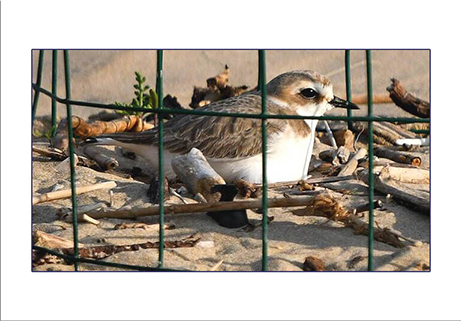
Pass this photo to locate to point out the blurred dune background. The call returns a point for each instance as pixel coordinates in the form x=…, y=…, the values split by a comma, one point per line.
x=106, y=76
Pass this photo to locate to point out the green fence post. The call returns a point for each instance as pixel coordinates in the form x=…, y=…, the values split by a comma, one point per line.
x=262, y=87
x=54, y=87
x=38, y=82
x=71, y=160
x=370, y=112
x=348, y=87
x=159, y=89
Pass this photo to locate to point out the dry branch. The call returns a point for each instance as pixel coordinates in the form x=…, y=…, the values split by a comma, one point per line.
x=199, y=177
x=201, y=207
x=68, y=192
x=50, y=241
x=408, y=102
x=105, y=162
x=397, y=156
x=409, y=193
x=352, y=164
x=53, y=153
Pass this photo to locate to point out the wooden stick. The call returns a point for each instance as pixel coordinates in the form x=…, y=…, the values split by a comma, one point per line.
x=408, y=102
x=201, y=207
x=216, y=266
x=54, y=154
x=68, y=192
x=105, y=162
x=399, y=190
x=317, y=180
x=352, y=164
x=377, y=99
x=51, y=241
x=397, y=156
x=199, y=177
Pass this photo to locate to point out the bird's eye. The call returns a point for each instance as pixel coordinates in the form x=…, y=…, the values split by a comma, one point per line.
x=309, y=93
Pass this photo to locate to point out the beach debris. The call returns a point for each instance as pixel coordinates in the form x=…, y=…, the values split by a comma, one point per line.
x=313, y=264
x=123, y=226
x=355, y=261
x=68, y=192
x=329, y=207
x=103, y=161
x=194, y=170
x=216, y=266
x=408, y=102
x=397, y=156
x=246, y=189
x=350, y=167
x=153, y=190
x=217, y=89
x=345, y=137
x=51, y=241
x=407, y=184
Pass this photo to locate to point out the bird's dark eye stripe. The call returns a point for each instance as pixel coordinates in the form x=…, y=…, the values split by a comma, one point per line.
x=309, y=93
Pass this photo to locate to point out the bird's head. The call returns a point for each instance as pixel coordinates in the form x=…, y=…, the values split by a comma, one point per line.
x=306, y=92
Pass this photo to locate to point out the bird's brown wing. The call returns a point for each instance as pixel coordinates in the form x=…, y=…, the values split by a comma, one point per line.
x=214, y=135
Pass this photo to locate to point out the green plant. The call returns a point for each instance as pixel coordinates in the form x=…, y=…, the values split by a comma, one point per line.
x=143, y=97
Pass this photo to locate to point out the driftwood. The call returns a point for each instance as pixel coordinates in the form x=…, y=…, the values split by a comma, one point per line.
x=53, y=153
x=83, y=129
x=376, y=99
x=68, y=192
x=50, y=241
x=352, y=164
x=409, y=193
x=201, y=207
x=403, y=173
x=103, y=161
x=387, y=135
x=397, y=156
x=345, y=138
x=217, y=89
x=317, y=180
x=408, y=102
x=199, y=177
x=327, y=206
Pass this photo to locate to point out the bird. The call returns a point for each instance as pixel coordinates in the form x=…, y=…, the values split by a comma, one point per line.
x=233, y=145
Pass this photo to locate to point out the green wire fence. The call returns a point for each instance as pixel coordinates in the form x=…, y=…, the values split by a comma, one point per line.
x=161, y=111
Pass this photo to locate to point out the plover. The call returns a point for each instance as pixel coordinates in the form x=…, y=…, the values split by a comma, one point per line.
x=232, y=145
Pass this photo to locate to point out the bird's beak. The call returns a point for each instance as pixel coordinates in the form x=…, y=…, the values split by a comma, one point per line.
x=340, y=103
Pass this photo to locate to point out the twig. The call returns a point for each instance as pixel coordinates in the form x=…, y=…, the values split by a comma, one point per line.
x=68, y=192
x=202, y=207
x=216, y=266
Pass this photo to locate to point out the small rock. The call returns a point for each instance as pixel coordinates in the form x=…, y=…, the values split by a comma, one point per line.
x=206, y=244
x=313, y=264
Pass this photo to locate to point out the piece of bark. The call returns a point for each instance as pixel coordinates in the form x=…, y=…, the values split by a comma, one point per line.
x=68, y=192
x=352, y=164
x=313, y=264
x=407, y=192
x=153, y=190
x=199, y=177
x=343, y=154
x=50, y=241
x=103, y=161
x=202, y=207
x=345, y=138
x=408, y=102
x=397, y=156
